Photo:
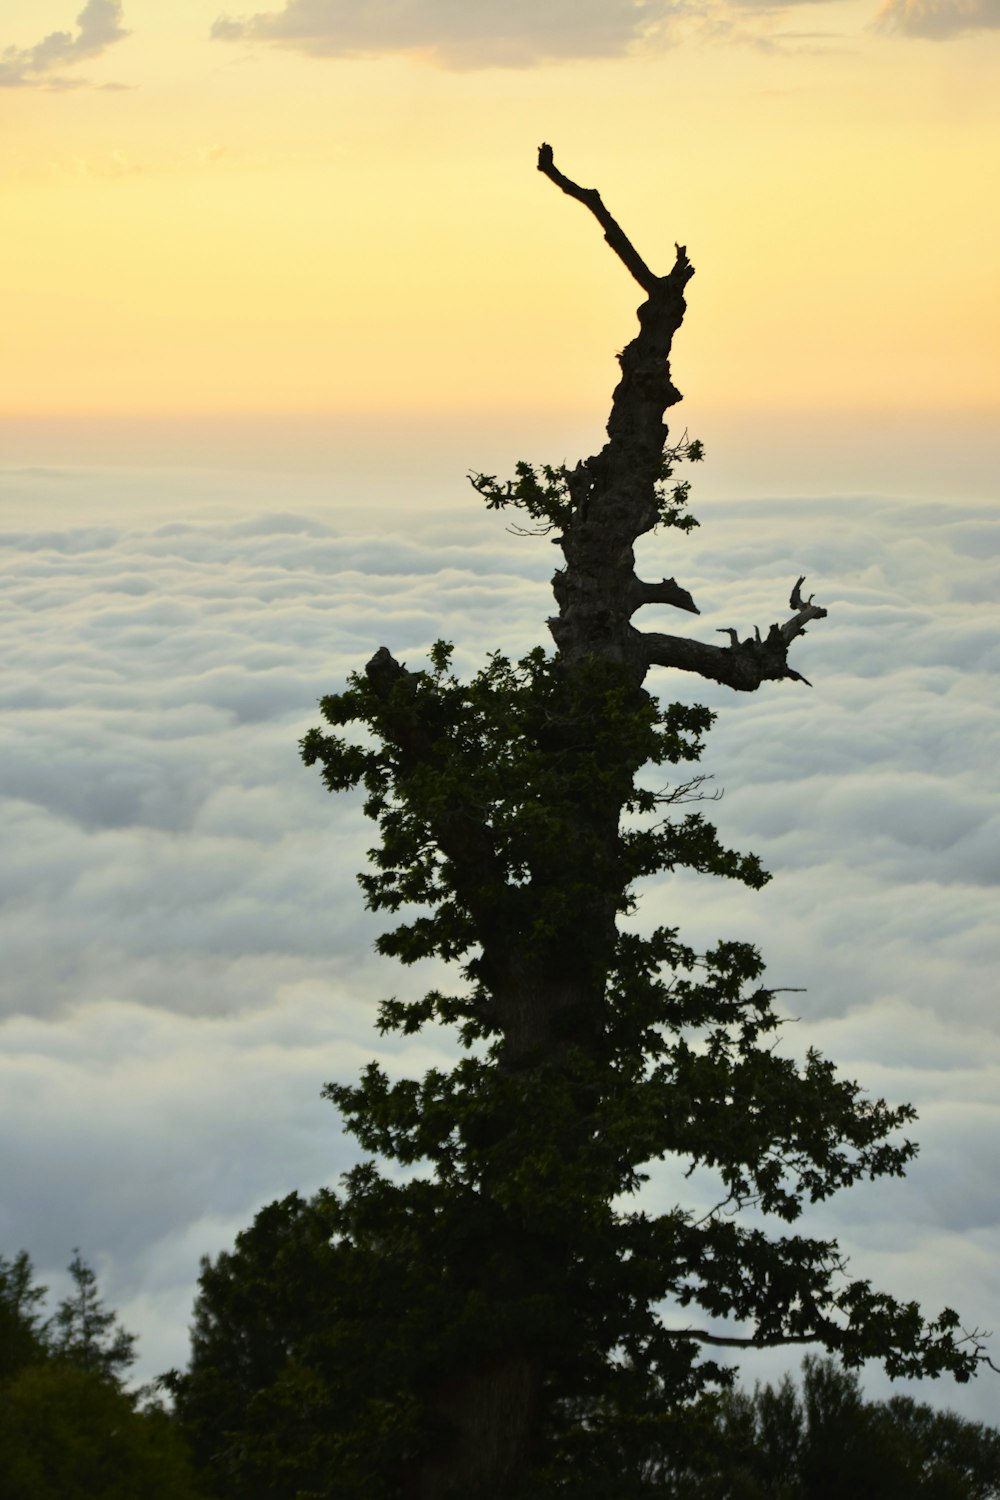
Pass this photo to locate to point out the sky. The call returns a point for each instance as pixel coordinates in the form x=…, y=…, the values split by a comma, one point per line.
x=274, y=283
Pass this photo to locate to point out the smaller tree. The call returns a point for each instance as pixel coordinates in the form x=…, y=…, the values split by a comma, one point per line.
x=68, y=1433
x=22, y=1332
x=69, y=1430
x=824, y=1442
x=950, y=1458
x=301, y=1342
x=85, y=1334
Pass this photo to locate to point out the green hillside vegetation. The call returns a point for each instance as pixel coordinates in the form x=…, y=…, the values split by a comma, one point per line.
x=69, y=1428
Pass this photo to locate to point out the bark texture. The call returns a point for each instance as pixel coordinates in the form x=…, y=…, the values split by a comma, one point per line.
x=490, y=1416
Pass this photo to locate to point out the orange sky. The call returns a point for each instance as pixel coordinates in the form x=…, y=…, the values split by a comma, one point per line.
x=240, y=226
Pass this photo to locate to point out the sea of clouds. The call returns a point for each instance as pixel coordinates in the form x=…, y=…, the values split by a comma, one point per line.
x=186, y=954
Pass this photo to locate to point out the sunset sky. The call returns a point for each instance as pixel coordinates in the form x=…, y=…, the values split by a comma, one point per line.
x=332, y=206
x=273, y=282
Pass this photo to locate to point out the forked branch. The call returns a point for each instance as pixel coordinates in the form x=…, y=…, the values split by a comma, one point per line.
x=743, y=665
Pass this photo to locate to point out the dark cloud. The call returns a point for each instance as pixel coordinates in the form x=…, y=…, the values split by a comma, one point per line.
x=454, y=33
x=939, y=19
x=99, y=25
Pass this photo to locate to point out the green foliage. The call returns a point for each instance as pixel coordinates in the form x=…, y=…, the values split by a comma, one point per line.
x=68, y=1434
x=68, y=1429
x=303, y=1340
x=825, y=1442
x=83, y=1333
x=509, y=761
x=22, y=1334
x=548, y=494
x=483, y=831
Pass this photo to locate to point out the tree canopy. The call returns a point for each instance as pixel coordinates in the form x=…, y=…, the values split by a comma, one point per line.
x=497, y=1311
x=825, y=1441
x=69, y=1429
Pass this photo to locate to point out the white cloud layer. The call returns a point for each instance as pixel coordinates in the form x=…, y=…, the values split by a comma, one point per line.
x=186, y=956
x=99, y=26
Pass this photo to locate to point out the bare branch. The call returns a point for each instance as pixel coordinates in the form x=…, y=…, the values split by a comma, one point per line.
x=687, y=791
x=613, y=232
x=774, y=1341
x=543, y=530
x=796, y=601
x=732, y=1204
x=743, y=665
x=797, y=624
x=977, y=1337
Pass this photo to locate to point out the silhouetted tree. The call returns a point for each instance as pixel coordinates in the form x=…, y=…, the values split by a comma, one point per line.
x=495, y=1318
x=85, y=1334
x=22, y=1332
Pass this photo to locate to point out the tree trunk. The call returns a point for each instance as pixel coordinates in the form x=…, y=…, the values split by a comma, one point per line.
x=490, y=1414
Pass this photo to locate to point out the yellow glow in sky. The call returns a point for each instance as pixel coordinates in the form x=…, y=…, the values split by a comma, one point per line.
x=237, y=225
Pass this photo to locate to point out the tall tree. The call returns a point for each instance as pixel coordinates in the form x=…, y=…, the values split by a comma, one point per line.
x=498, y=1320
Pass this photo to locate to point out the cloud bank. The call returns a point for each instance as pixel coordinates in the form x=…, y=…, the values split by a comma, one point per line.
x=492, y=33
x=99, y=27
x=521, y=33
x=939, y=19
x=186, y=955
